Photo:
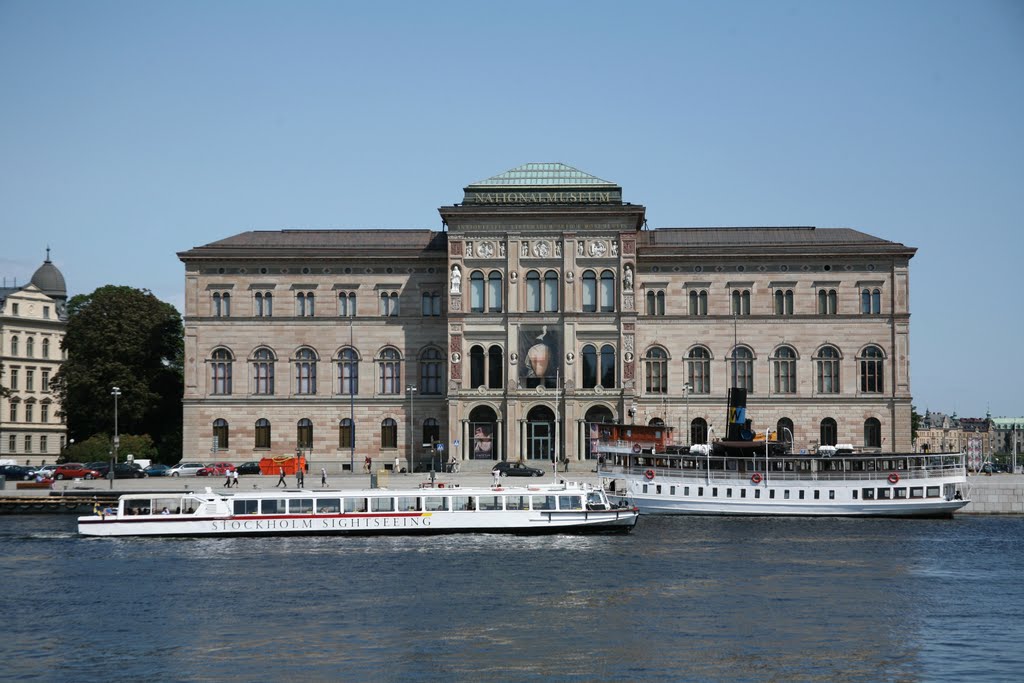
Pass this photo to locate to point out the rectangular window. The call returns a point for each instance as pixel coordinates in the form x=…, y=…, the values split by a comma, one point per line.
x=771, y=493
x=933, y=492
x=300, y=506
x=275, y=506
x=14, y=379
x=44, y=384
x=435, y=503
x=686, y=490
x=328, y=506
x=757, y=493
x=743, y=493
x=44, y=444
x=246, y=507
x=900, y=493
x=489, y=502
x=542, y=502
x=467, y=504
x=28, y=444
x=355, y=505
x=570, y=502
x=917, y=492
x=12, y=445
x=728, y=493
x=30, y=380
x=786, y=494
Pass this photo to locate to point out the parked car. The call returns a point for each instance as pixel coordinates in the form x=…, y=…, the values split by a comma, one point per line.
x=217, y=469
x=185, y=469
x=46, y=471
x=17, y=472
x=122, y=470
x=157, y=470
x=518, y=469
x=75, y=470
x=251, y=467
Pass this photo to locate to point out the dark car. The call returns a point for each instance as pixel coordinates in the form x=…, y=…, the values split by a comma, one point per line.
x=17, y=472
x=157, y=470
x=518, y=469
x=251, y=467
x=122, y=470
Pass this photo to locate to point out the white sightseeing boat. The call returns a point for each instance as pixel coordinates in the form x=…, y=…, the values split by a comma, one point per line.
x=734, y=479
x=568, y=507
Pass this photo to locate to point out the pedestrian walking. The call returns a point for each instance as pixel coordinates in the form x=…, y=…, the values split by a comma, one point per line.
x=227, y=478
x=281, y=481
x=398, y=465
x=234, y=477
x=300, y=478
x=495, y=476
x=323, y=476
x=367, y=464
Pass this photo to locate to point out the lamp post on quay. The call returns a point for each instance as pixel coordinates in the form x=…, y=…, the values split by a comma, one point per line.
x=411, y=390
x=686, y=394
x=115, y=392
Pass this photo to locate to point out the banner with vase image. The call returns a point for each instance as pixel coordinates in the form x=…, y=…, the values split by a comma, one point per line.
x=540, y=352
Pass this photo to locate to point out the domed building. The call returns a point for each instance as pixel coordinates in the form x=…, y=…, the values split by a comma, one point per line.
x=33, y=318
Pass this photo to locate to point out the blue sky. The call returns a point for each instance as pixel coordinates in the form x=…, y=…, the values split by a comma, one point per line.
x=133, y=130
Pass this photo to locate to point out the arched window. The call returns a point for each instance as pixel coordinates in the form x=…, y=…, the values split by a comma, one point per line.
x=485, y=367
x=784, y=431
x=827, y=363
x=30, y=347
x=389, y=304
x=742, y=369
x=589, y=291
x=477, y=367
x=550, y=291
x=263, y=372
x=872, y=433
x=698, y=370
x=305, y=371
x=476, y=291
x=494, y=292
x=46, y=348
x=432, y=433
x=495, y=364
x=304, y=304
x=14, y=345
x=741, y=302
x=220, y=433
x=872, y=369
x=783, y=302
x=784, y=370
x=388, y=433
x=656, y=371
x=656, y=302
x=221, y=304
x=347, y=304
x=390, y=372
x=346, y=433
x=827, y=302
x=304, y=434
x=533, y=294
x=262, y=433
x=698, y=430
x=607, y=291
x=348, y=372
x=264, y=307
x=220, y=372
x=876, y=301
x=829, y=432
x=431, y=372
x=870, y=301
x=598, y=369
x=698, y=302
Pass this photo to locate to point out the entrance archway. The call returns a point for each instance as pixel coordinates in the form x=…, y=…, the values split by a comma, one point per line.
x=483, y=429
x=540, y=434
x=594, y=418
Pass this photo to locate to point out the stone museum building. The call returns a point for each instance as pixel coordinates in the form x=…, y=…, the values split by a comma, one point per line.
x=545, y=305
x=33, y=318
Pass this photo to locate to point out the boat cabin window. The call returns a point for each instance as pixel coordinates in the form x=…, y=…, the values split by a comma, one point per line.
x=272, y=506
x=382, y=504
x=917, y=492
x=517, y=503
x=138, y=507
x=869, y=494
x=771, y=493
x=686, y=490
x=570, y=502
x=933, y=491
x=657, y=489
x=543, y=502
x=728, y=493
x=883, y=494
x=802, y=494
x=489, y=502
x=246, y=507
x=328, y=505
x=355, y=505
x=700, y=491
x=463, y=503
x=743, y=493
x=899, y=493
x=595, y=501
x=817, y=494
x=757, y=493
x=831, y=494
x=171, y=505
x=435, y=503
x=300, y=506
x=409, y=504
x=786, y=494
x=714, y=492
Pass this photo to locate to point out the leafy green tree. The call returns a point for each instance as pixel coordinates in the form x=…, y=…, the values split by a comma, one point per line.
x=915, y=423
x=98, y=446
x=124, y=337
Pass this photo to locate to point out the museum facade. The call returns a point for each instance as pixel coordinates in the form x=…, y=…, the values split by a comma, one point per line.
x=545, y=306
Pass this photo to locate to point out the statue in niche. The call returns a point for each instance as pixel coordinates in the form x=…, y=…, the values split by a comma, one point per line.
x=526, y=249
x=501, y=249
x=469, y=249
x=627, y=278
x=615, y=247
x=456, y=279
x=579, y=248
x=558, y=248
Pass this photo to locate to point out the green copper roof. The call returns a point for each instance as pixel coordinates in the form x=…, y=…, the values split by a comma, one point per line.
x=546, y=175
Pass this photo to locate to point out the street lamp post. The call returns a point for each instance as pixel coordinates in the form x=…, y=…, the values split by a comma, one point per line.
x=686, y=395
x=115, y=392
x=411, y=390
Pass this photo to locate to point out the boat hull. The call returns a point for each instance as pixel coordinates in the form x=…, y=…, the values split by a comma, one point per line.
x=660, y=506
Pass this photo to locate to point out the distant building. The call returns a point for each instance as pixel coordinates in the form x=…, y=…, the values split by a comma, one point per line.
x=545, y=307
x=32, y=322
x=1008, y=435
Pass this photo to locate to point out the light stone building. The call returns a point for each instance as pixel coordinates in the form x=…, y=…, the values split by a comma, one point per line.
x=545, y=306
x=33, y=318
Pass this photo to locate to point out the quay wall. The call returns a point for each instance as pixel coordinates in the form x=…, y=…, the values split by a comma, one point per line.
x=998, y=494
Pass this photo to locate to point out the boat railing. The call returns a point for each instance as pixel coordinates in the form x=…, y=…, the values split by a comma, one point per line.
x=718, y=475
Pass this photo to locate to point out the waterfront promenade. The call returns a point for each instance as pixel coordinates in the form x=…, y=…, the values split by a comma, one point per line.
x=995, y=494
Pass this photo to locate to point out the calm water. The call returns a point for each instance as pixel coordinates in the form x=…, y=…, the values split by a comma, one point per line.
x=679, y=599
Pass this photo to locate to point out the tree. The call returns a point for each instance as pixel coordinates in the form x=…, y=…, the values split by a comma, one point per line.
x=98, y=446
x=124, y=337
x=915, y=423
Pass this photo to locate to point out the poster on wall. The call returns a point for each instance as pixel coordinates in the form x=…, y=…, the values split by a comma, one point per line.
x=483, y=442
x=540, y=350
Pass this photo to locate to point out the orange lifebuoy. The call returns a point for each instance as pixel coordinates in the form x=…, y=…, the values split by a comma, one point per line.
x=649, y=474
x=894, y=478
x=756, y=477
